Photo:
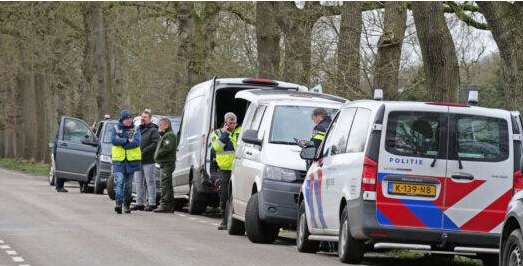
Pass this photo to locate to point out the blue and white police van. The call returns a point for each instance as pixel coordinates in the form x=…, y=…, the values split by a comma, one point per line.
x=428, y=176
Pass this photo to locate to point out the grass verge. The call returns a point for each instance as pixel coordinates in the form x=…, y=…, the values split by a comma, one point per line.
x=25, y=166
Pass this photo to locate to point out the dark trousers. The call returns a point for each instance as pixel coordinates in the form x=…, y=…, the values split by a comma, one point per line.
x=225, y=178
x=59, y=183
x=167, y=198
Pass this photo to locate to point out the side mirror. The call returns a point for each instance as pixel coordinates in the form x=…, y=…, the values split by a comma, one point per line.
x=89, y=141
x=251, y=136
x=308, y=153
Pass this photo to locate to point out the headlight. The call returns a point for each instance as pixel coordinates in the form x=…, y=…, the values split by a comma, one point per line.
x=105, y=158
x=279, y=174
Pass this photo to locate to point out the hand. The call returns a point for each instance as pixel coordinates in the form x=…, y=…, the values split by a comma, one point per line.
x=225, y=128
x=131, y=140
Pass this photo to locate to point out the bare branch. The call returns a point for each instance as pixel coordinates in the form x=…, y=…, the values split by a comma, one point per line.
x=458, y=10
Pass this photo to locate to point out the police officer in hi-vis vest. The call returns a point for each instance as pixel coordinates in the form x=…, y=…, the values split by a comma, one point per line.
x=126, y=156
x=224, y=145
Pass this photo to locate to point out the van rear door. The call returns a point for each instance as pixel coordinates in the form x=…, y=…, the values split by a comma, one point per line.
x=480, y=170
x=412, y=166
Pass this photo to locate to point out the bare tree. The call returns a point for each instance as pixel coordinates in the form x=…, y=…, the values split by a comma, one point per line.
x=268, y=40
x=439, y=55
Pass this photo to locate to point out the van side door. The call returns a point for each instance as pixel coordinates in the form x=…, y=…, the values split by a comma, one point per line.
x=73, y=156
x=479, y=181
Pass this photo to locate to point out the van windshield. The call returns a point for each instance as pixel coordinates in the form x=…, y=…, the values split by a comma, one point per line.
x=293, y=122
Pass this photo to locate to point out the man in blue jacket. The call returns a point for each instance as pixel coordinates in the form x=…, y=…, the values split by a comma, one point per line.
x=126, y=156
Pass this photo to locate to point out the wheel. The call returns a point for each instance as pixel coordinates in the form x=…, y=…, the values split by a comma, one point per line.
x=234, y=227
x=98, y=186
x=110, y=187
x=302, y=233
x=257, y=230
x=52, y=175
x=511, y=251
x=350, y=250
x=195, y=206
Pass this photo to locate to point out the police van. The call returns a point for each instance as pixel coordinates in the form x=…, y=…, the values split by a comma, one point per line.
x=427, y=176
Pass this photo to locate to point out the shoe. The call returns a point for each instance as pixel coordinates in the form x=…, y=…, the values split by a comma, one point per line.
x=150, y=208
x=162, y=209
x=126, y=208
x=118, y=208
x=222, y=226
x=61, y=189
x=137, y=208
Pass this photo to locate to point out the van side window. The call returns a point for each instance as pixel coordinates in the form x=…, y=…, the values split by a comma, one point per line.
x=358, y=133
x=482, y=138
x=257, y=118
x=336, y=141
x=413, y=134
x=75, y=130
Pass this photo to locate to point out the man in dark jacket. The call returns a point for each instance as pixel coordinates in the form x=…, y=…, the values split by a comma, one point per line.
x=165, y=156
x=321, y=118
x=150, y=139
x=126, y=156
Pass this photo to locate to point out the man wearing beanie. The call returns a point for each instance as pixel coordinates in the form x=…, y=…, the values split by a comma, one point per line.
x=126, y=156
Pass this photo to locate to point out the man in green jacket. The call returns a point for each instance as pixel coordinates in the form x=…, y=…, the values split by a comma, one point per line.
x=165, y=156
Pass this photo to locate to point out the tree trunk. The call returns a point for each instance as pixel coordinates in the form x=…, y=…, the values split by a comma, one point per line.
x=100, y=64
x=267, y=40
x=389, y=49
x=348, y=72
x=506, y=25
x=438, y=51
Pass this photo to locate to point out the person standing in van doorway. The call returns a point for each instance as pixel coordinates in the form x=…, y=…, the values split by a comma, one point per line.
x=224, y=142
x=165, y=156
x=150, y=138
x=126, y=156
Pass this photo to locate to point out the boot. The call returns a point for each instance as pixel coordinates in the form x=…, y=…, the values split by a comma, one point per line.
x=126, y=207
x=150, y=208
x=61, y=189
x=163, y=209
x=137, y=208
x=118, y=208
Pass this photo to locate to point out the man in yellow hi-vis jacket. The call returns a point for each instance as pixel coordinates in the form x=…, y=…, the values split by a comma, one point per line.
x=126, y=156
x=224, y=145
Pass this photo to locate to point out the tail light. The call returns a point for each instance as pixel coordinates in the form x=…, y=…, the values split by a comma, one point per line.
x=370, y=173
x=518, y=181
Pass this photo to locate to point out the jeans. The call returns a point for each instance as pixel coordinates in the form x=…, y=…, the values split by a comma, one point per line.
x=123, y=183
x=146, y=173
x=167, y=199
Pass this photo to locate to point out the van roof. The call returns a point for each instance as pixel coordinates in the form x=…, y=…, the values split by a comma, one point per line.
x=260, y=82
x=372, y=104
x=259, y=95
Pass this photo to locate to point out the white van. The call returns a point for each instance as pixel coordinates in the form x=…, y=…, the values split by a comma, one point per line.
x=205, y=107
x=268, y=171
x=430, y=176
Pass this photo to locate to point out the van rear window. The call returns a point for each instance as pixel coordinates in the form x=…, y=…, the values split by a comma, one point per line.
x=481, y=138
x=414, y=134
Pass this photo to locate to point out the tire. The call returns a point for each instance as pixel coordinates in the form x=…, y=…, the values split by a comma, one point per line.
x=257, y=230
x=302, y=233
x=234, y=227
x=511, y=251
x=350, y=250
x=110, y=187
x=98, y=186
x=52, y=175
x=195, y=206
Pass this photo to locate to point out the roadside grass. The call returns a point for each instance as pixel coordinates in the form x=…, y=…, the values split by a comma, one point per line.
x=25, y=166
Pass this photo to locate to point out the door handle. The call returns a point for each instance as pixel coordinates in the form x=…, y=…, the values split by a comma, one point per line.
x=63, y=144
x=462, y=176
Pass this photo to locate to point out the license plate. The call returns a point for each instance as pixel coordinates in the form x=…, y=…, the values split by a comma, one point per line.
x=407, y=189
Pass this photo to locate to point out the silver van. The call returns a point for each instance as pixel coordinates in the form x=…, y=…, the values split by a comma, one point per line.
x=205, y=106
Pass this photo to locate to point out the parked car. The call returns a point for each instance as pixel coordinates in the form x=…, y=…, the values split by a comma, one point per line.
x=205, y=107
x=103, y=158
x=435, y=176
x=74, y=153
x=268, y=171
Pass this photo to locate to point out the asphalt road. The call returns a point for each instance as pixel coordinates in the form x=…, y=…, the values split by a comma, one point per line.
x=41, y=227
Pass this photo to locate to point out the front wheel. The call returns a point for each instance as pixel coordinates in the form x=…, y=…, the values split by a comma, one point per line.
x=511, y=251
x=350, y=250
x=110, y=187
x=98, y=186
x=234, y=227
x=302, y=233
x=257, y=230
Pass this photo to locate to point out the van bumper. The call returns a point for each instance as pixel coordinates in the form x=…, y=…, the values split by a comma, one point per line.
x=104, y=171
x=364, y=226
x=278, y=202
